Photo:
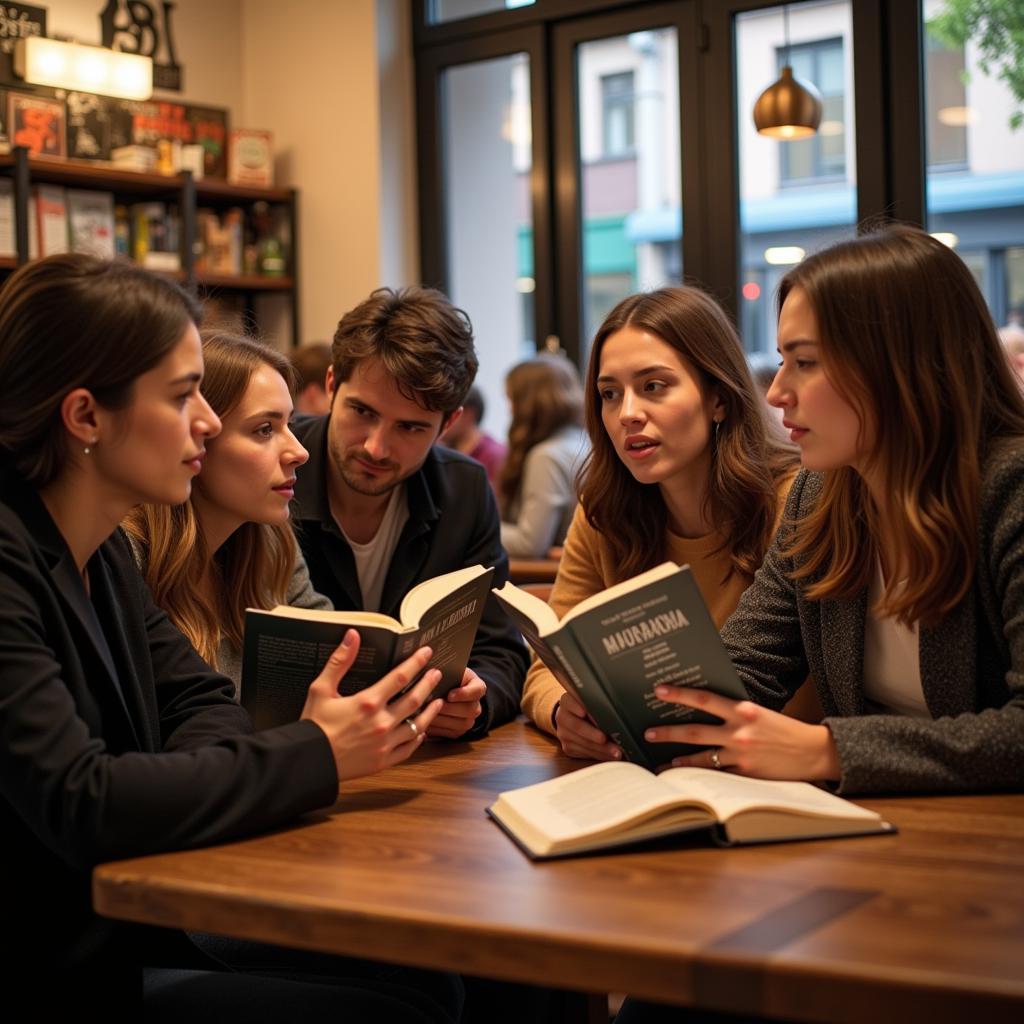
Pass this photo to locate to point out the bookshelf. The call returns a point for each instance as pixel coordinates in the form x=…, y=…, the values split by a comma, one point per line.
x=247, y=291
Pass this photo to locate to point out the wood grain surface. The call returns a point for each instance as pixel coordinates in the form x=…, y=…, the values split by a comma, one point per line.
x=925, y=924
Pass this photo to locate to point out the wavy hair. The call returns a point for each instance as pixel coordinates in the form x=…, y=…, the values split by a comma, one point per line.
x=254, y=565
x=747, y=462
x=546, y=395
x=906, y=338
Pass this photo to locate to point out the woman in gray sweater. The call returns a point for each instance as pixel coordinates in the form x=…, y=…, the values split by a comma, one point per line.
x=897, y=577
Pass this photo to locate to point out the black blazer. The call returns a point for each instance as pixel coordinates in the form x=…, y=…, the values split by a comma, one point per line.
x=453, y=523
x=115, y=741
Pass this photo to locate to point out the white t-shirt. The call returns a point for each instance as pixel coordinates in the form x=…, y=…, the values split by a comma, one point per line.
x=373, y=559
x=892, y=661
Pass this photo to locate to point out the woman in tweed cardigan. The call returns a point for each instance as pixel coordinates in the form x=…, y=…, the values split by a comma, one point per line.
x=897, y=578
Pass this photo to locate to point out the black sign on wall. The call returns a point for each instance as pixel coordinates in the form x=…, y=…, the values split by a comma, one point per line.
x=144, y=27
x=17, y=21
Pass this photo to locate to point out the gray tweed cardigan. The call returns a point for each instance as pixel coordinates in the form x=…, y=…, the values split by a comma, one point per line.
x=972, y=663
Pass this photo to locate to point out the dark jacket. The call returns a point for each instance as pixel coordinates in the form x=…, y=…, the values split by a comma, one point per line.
x=453, y=523
x=116, y=738
x=972, y=663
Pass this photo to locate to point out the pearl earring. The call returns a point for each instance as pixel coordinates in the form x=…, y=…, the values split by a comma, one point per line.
x=88, y=448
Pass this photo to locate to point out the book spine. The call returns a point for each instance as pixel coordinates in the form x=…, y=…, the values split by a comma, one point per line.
x=596, y=695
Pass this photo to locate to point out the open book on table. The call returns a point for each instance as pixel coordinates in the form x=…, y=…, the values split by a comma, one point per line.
x=613, y=648
x=285, y=648
x=616, y=803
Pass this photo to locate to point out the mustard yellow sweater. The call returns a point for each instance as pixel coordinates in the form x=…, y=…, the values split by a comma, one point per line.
x=587, y=567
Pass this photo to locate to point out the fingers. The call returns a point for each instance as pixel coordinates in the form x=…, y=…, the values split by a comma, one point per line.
x=703, y=759
x=454, y=720
x=581, y=739
x=408, y=739
x=698, y=735
x=412, y=700
x=692, y=697
x=401, y=676
x=341, y=660
x=468, y=692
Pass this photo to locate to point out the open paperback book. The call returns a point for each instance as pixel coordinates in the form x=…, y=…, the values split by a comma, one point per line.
x=615, y=803
x=613, y=648
x=285, y=648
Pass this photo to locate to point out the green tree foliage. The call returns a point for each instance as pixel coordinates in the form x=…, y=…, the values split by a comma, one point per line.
x=997, y=28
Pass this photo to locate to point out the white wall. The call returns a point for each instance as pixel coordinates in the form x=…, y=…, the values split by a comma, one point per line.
x=399, y=228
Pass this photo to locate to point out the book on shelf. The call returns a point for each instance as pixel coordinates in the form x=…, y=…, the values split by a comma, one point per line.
x=250, y=158
x=156, y=233
x=8, y=240
x=91, y=222
x=612, y=649
x=285, y=648
x=51, y=219
x=618, y=804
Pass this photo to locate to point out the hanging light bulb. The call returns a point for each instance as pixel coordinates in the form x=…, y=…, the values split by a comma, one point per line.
x=789, y=108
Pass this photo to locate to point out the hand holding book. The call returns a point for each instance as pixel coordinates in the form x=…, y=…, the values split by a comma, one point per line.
x=578, y=734
x=373, y=730
x=751, y=740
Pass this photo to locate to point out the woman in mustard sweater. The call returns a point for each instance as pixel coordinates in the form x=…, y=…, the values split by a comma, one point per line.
x=682, y=468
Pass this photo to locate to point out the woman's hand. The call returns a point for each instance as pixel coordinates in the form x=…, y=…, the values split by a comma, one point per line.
x=751, y=739
x=365, y=731
x=578, y=735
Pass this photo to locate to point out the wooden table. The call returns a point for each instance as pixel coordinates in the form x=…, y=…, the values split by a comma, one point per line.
x=924, y=925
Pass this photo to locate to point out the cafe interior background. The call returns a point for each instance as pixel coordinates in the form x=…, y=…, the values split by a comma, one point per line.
x=539, y=161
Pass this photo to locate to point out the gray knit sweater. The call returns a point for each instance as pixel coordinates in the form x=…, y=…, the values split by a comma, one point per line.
x=972, y=663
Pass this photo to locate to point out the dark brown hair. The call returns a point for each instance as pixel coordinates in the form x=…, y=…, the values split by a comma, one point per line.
x=906, y=338
x=254, y=566
x=310, y=364
x=546, y=395
x=747, y=464
x=423, y=342
x=74, y=321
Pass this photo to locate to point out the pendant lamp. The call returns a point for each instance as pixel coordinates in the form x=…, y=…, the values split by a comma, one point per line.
x=789, y=108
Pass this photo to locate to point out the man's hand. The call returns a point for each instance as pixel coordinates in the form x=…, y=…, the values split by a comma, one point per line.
x=461, y=708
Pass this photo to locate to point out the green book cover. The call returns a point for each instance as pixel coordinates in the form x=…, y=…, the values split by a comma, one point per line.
x=616, y=646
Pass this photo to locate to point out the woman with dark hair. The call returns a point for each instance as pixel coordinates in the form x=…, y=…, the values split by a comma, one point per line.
x=546, y=445
x=116, y=739
x=230, y=546
x=898, y=577
x=682, y=468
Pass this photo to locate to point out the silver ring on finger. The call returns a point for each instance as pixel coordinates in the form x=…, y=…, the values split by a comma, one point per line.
x=715, y=762
x=412, y=725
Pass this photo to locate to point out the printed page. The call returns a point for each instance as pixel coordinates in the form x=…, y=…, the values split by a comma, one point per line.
x=730, y=794
x=425, y=595
x=592, y=799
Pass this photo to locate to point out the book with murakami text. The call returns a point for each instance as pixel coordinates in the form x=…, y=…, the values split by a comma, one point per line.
x=612, y=649
x=284, y=649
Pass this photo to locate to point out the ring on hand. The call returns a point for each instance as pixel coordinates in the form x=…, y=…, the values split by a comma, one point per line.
x=412, y=725
x=715, y=763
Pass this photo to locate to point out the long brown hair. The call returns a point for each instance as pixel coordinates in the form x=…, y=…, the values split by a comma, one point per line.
x=254, y=565
x=747, y=463
x=905, y=336
x=546, y=395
